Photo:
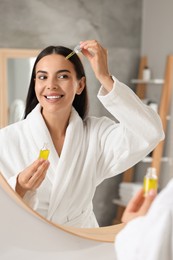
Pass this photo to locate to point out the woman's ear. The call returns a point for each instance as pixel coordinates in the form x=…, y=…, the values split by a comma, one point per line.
x=81, y=85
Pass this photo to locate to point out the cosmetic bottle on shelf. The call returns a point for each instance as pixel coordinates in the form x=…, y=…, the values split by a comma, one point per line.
x=146, y=75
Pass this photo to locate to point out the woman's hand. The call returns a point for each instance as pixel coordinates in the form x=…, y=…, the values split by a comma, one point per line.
x=97, y=56
x=32, y=177
x=138, y=205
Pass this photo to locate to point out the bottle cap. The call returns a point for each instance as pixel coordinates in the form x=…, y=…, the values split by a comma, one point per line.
x=151, y=172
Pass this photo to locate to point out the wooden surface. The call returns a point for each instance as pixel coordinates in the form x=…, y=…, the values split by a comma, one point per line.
x=164, y=107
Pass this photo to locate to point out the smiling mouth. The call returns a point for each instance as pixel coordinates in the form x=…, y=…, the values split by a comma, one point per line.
x=54, y=97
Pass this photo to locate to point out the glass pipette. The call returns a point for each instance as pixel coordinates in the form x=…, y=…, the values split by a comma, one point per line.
x=77, y=49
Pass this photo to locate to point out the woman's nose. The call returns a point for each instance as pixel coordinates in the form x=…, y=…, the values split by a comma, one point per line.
x=52, y=84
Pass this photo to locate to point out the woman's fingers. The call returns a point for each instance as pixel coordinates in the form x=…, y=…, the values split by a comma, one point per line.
x=28, y=172
x=32, y=176
x=138, y=205
x=38, y=175
x=92, y=50
x=92, y=44
x=148, y=201
x=97, y=56
x=133, y=206
x=136, y=201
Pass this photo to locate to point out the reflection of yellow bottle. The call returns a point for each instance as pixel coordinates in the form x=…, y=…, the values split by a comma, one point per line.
x=44, y=152
x=150, y=180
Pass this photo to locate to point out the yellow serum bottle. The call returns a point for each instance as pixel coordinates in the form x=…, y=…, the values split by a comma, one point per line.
x=44, y=152
x=150, y=180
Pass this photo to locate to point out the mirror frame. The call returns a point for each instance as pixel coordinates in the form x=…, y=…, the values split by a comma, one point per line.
x=6, y=54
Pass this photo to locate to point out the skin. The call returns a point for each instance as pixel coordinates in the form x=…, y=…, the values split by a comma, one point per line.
x=56, y=86
x=138, y=205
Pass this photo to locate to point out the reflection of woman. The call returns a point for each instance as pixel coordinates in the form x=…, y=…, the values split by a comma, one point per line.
x=83, y=150
x=148, y=232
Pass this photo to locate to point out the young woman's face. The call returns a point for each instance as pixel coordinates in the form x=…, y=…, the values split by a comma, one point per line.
x=56, y=84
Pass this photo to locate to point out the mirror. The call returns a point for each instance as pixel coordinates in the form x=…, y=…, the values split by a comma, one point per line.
x=11, y=97
x=18, y=75
x=10, y=60
x=10, y=64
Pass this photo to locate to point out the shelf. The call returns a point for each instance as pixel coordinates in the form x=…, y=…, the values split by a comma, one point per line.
x=119, y=202
x=151, y=81
x=149, y=159
x=156, y=158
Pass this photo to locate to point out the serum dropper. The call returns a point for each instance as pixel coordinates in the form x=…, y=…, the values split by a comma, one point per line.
x=76, y=50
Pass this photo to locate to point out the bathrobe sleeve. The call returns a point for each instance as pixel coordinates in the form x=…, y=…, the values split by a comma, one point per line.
x=149, y=237
x=137, y=133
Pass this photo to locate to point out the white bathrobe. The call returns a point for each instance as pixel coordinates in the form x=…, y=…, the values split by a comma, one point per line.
x=149, y=237
x=93, y=150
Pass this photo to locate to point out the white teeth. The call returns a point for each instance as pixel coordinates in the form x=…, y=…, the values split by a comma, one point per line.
x=53, y=97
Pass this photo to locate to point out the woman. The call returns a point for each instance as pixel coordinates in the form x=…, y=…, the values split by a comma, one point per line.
x=83, y=150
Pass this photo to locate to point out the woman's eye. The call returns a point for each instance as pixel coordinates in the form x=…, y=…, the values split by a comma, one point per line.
x=63, y=76
x=41, y=77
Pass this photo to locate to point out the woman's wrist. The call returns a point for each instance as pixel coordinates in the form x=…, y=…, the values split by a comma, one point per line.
x=19, y=189
x=107, y=82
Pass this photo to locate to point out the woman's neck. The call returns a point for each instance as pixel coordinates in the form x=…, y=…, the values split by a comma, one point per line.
x=57, y=126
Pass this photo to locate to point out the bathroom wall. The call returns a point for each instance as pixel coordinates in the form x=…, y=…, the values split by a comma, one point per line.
x=157, y=44
x=116, y=24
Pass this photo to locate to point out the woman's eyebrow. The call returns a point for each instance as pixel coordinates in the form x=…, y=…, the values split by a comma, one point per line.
x=58, y=71
x=41, y=71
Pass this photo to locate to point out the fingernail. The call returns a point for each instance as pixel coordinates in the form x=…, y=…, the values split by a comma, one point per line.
x=152, y=193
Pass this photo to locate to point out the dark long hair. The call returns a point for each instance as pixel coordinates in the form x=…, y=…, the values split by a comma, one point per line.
x=80, y=102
